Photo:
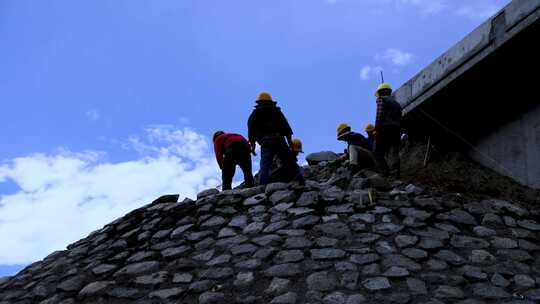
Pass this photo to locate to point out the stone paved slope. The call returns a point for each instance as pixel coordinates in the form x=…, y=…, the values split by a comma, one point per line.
x=329, y=242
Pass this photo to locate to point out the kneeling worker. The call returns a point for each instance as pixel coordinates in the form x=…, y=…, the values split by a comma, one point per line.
x=370, y=131
x=296, y=148
x=358, y=153
x=231, y=150
x=281, y=173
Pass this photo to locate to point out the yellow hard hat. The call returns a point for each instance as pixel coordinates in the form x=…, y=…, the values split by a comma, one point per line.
x=370, y=128
x=342, y=129
x=264, y=96
x=383, y=86
x=297, y=145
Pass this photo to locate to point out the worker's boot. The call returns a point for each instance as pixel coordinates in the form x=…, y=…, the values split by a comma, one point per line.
x=397, y=174
x=300, y=179
x=383, y=169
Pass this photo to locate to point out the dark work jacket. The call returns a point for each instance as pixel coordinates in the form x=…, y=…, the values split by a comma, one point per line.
x=355, y=139
x=371, y=142
x=388, y=112
x=267, y=120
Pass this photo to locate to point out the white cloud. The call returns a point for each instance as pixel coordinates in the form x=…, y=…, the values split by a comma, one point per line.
x=395, y=57
x=166, y=140
x=368, y=72
x=365, y=72
x=93, y=115
x=391, y=59
x=64, y=196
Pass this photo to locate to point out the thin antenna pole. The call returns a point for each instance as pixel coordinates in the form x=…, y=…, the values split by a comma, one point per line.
x=382, y=77
x=427, y=151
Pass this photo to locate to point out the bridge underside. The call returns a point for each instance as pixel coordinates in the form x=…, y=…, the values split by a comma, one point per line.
x=488, y=106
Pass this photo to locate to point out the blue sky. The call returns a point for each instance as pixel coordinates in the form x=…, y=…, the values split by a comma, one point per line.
x=108, y=104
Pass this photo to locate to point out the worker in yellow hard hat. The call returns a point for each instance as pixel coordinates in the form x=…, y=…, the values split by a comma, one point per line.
x=268, y=127
x=281, y=173
x=388, y=130
x=383, y=89
x=296, y=147
x=357, y=152
x=370, y=131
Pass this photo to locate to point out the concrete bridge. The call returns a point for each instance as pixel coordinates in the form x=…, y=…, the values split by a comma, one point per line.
x=481, y=95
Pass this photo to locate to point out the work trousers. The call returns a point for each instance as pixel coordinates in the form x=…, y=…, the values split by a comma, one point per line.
x=387, y=148
x=272, y=147
x=237, y=154
x=360, y=157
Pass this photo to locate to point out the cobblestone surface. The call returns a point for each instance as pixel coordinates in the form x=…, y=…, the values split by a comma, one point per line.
x=330, y=241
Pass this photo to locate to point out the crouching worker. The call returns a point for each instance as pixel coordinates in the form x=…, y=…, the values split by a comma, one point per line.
x=231, y=150
x=370, y=131
x=281, y=173
x=296, y=148
x=357, y=152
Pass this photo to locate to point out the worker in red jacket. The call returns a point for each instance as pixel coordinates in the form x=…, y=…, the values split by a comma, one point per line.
x=231, y=150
